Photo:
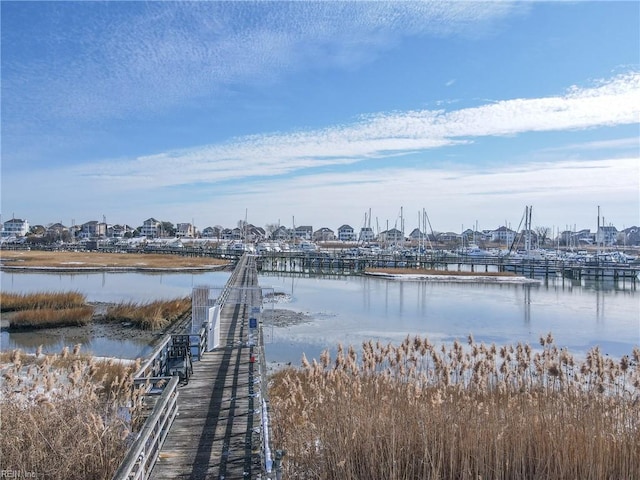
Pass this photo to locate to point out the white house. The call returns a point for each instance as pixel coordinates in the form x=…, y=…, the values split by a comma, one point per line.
x=503, y=235
x=151, y=228
x=15, y=228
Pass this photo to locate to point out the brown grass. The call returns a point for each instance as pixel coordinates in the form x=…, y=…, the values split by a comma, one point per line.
x=415, y=411
x=47, y=300
x=149, y=316
x=65, y=416
x=429, y=271
x=71, y=260
x=51, y=318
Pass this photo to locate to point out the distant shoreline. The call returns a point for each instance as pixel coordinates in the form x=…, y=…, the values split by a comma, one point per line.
x=449, y=276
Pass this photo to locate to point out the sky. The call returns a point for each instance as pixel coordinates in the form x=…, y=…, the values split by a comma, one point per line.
x=322, y=113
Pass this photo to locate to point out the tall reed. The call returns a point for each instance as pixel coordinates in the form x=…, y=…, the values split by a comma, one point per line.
x=31, y=301
x=150, y=316
x=65, y=416
x=462, y=412
x=48, y=317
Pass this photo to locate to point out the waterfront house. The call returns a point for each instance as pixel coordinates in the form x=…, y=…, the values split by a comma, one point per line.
x=607, y=235
x=212, y=232
x=346, y=233
x=93, y=229
x=280, y=234
x=185, y=230
x=304, y=232
x=325, y=234
x=151, y=228
x=392, y=236
x=366, y=235
x=503, y=235
x=15, y=227
x=119, y=231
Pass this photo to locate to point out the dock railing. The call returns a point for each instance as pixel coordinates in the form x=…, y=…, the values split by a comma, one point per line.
x=145, y=449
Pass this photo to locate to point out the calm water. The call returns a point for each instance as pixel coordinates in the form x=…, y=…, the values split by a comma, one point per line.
x=100, y=287
x=351, y=310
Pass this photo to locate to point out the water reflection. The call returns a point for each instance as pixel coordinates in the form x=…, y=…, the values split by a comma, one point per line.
x=356, y=309
x=99, y=287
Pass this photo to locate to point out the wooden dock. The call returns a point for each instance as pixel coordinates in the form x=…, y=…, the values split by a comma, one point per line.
x=217, y=433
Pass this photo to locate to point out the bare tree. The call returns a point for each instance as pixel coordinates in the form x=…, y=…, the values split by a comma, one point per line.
x=269, y=228
x=543, y=234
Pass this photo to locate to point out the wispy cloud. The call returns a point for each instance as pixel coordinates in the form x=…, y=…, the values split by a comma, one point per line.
x=612, y=102
x=146, y=56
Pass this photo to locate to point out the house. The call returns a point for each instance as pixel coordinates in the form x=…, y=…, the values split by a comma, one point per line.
x=58, y=232
x=280, y=234
x=607, y=235
x=346, y=233
x=93, y=229
x=119, y=231
x=304, y=232
x=366, y=235
x=503, y=235
x=15, y=227
x=254, y=234
x=391, y=236
x=448, y=237
x=417, y=235
x=151, y=228
x=324, y=234
x=212, y=232
x=185, y=230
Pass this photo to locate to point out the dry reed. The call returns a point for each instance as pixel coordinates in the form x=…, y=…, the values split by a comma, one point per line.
x=66, y=416
x=416, y=411
x=31, y=301
x=48, y=318
x=150, y=316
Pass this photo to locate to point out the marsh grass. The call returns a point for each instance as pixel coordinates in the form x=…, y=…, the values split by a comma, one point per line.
x=10, y=302
x=49, y=318
x=65, y=416
x=149, y=316
x=472, y=411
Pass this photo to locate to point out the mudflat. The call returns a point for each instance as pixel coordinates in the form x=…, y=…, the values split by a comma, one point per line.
x=35, y=259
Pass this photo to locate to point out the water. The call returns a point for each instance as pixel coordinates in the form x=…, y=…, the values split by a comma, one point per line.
x=350, y=310
x=100, y=287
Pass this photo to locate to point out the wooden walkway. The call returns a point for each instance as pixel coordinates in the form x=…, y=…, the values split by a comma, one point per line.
x=216, y=434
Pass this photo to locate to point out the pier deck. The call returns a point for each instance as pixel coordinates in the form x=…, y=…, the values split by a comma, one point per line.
x=216, y=434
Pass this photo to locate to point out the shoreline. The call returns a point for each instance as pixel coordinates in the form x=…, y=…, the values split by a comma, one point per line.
x=456, y=278
x=112, y=269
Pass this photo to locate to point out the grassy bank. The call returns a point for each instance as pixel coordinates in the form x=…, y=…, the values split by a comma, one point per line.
x=45, y=309
x=468, y=412
x=63, y=416
x=51, y=318
x=98, y=260
x=43, y=300
x=149, y=316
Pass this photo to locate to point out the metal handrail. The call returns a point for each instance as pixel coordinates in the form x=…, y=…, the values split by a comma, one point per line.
x=144, y=451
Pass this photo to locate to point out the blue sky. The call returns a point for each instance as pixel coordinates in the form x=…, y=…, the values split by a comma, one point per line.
x=318, y=112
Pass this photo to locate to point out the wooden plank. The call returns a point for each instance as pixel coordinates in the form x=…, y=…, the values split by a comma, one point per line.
x=217, y=432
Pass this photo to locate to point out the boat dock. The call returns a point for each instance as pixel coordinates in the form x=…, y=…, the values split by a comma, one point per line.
x=219, y=429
